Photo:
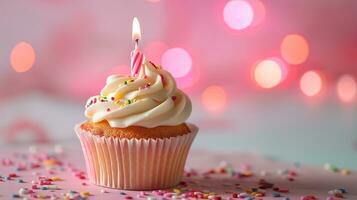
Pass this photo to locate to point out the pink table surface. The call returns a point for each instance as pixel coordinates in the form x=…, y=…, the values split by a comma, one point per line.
x=309, y=179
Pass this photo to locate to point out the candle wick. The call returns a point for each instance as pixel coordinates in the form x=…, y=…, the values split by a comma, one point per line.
x=136, y=44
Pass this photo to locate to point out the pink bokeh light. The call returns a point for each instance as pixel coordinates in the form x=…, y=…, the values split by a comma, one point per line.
x=177, y=61
x=346, y=88
x=238, y=14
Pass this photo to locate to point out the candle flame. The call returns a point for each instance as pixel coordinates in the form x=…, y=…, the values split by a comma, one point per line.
x=136, y=33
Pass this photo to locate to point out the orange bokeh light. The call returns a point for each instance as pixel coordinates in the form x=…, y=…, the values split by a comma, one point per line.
x=294, y=49
x=311, y=83
x=214, y=99
x=22, y=57
x=346, y=88
x=268, y=73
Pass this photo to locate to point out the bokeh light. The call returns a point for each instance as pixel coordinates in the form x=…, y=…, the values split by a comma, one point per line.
x=238, y=14
x=22, y=57
x=346, y=88
x=294, y=49
x=214, y=99
x=259, y=12
x=154, y=50
x=311, y=83
x=177, y=61
x=268, y=73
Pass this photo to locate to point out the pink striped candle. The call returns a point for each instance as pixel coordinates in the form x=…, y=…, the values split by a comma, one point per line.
x=137, y=57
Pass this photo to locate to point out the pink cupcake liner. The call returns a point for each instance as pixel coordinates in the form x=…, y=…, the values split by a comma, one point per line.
x=135, y=164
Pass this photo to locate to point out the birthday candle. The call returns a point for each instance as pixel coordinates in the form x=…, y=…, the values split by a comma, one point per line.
x=137, y=57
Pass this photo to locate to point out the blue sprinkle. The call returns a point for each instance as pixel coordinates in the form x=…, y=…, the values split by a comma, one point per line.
x=275, y=194
x=248, y=198
x=15, y=196
x=20, y=181
x=343, y=191
x=44, y=188
x=286, y=198
x=122, y=193
x=7, y=178
x=72, y=192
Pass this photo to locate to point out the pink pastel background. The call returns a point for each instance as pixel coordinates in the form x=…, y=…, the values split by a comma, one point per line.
x=77, y=44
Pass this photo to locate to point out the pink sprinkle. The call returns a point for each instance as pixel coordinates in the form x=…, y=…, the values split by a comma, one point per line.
x=142, y=193
x=153, y=64
x=13, y=175
x=112, y=98
x=108, y=109
x=162, y=79
x=173, y=98
x=84, y=183
x=244, y=167
x=282, y=190
x=292, y=173
x=34, y=187
x=169, y=195
x=128, y=197
x=157, y=193
x=95, y=100
x=7, y=162
x=43, y=182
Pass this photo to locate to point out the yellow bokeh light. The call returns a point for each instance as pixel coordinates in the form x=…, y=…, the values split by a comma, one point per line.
x=268, y=74
x=311, y=83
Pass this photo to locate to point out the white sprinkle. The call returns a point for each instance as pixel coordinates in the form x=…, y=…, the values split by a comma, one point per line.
x=33, y=149
x=58, y=149
x=23, y=191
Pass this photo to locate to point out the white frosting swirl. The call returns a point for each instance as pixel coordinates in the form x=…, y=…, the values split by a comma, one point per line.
x=149, y=101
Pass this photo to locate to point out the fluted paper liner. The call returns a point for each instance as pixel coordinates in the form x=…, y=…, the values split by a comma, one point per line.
x=135, y=164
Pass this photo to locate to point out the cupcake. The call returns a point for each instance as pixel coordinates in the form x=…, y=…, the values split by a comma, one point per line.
x=136, y=136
